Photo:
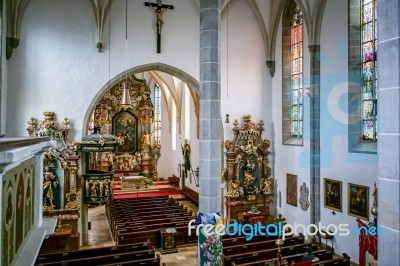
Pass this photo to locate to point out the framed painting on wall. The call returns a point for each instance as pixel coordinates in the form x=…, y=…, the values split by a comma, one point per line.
x=333, y=194
x=358, y=201
x=291, y=189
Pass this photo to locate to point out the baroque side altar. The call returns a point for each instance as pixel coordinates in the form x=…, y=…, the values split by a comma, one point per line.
x=250, y=186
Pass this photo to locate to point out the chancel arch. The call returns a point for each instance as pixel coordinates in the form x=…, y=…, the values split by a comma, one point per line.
x=192, y=83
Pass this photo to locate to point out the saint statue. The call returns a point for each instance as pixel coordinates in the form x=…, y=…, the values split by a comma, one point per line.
x=249, y=169
x=186, y=156
x=233, y=188
x=49, y=182
x=267, y=185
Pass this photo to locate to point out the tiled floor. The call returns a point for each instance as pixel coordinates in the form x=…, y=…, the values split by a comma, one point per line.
x=185, y=256
x=100, y=236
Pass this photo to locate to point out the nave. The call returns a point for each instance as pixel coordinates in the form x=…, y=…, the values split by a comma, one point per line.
x=127, y=232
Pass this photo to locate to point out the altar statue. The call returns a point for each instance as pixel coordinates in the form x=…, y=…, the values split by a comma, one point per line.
x=186, y=156
x=267, y=185
x=249, y=169
x=50, y=181
x=233, y=188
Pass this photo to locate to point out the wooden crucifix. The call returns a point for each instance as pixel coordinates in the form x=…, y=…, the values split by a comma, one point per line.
x=159, y=9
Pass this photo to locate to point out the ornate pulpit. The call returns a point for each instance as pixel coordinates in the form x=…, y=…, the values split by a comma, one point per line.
x=247, y=172
x=97, y=183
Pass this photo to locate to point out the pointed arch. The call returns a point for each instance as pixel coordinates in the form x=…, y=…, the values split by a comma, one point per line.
x=173, y=71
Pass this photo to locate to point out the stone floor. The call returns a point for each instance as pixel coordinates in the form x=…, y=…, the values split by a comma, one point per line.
x=100, y=236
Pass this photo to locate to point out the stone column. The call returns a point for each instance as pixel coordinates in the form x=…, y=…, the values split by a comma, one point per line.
x=210, y=106
x=315, y=155
x=388, y=181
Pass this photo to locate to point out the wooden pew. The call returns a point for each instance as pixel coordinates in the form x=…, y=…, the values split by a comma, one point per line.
x=154, y=236
x=297, y=257
x=102, y=259
x=157, y=207
x=343, y=260
x=174, y=180
x=128, y=218
x=259, y=255
x=57, y=256
x=228, y=241
x=141, y=199
x=260, y=245
x=191, y=194
x=148, y=212
x=128, y=225
x=152, y=262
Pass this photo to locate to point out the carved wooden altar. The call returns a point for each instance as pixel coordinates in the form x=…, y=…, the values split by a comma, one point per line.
x=247, y=172
x=60, y=164
x=131, y=123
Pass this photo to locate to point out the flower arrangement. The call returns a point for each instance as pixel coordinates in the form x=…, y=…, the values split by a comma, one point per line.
x=212, y=251
x=210, y=246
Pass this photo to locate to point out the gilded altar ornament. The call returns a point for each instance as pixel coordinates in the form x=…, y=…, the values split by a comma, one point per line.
x=267, y=185
x=224, y=174
x=249, y=148
x=233, y=188
x=32, y=123
x=66, y=122
x=72, y=199
x=251, y=197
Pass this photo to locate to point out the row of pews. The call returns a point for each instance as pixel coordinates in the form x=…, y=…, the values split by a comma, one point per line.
x=135, y=220
x=134, y=254
x=262, y=250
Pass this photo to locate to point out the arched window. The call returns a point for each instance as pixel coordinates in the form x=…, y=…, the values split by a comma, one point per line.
x=173, y=127
x=296, y=43
x=187, y=112
x=292, y=75
x=157, y=114
x=369, y=69
x=362, y=58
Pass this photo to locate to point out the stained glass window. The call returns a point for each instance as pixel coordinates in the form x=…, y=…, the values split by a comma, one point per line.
x=296, y=41
x=369, y=69
x=157, y=115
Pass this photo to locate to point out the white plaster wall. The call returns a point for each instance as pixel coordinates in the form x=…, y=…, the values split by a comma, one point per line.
x=290, y=159
x=245, y=81
x=336, y=162
x=58, y=68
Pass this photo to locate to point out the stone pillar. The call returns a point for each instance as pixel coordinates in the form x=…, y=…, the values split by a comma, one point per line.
x=388, y=180
x=315, y=155
x=210, y=106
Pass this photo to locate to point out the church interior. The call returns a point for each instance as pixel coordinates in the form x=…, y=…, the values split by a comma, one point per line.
x=132, y=131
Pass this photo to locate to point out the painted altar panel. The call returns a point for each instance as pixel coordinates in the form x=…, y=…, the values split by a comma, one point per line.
x=125, y=126
x=18, y=207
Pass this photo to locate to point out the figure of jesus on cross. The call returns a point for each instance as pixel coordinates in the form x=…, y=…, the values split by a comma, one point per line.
x=159, y=9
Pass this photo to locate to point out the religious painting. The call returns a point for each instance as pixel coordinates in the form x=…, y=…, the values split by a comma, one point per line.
x=291, y=189
x=358, y=201
x=125, y=127
x=333, y=194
